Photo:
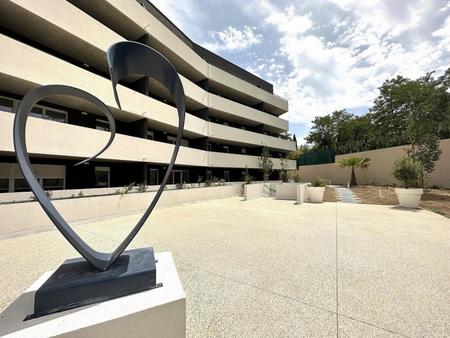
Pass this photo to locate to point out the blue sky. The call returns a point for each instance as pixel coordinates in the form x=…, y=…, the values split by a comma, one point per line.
x=321, y=55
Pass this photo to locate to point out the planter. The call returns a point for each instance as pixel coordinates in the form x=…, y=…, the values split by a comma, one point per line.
x=409, y=198
x=315, y=194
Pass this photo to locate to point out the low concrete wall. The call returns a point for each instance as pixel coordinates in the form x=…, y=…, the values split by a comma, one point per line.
x=286, y=191
x=260, y=189
x=380, y=168
x=17, y=217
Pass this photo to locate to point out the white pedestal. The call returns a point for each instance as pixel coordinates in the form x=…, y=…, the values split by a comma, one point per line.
x=160, y=312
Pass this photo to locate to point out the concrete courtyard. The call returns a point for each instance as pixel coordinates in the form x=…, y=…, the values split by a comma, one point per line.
x=271, y=268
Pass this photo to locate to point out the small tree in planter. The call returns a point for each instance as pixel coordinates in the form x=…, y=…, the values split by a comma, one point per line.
x=265, y=163
x=316, y=190
x=284, y=170
x=408, y=171
x=354, y=162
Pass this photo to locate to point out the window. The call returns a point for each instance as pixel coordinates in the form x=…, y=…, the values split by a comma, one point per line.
x=243, y=127
x=153, y=177
x=208, y=175
x=101, y=124
x=243, y=151
x=53, y=183
x=102, y=177
x=6, y=104
x=209, y=147
x=36, y=112
x=173, y=140
x=226, y=176
x=49, y=114
x=4, y=184
x=226, y=149
x=226, y=124
x=179, y=177
x=21, y=185
x=150, y=135
x=54, y=115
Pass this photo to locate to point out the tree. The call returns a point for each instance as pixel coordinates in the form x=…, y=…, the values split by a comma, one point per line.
x=406, y=170
x=265, y=163
x=284, y=170
x=295, y=140
x=405, y=112
x=354, y=162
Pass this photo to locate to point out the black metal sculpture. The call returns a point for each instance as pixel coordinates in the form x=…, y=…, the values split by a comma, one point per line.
x=124, y=59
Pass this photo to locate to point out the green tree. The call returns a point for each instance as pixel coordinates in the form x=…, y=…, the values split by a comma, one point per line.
x=354, y=162
x=284, y=170
x=265, y=163
x=406, y=170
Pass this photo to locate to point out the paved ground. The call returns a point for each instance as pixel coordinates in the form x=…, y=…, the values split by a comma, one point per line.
x=269, y=268
x=345, y=195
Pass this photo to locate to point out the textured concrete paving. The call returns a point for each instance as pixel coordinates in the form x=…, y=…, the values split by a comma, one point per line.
x=270, y=268
x=345, y=195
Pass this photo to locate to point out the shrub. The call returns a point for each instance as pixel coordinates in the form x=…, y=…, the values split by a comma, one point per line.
x=407, y=171
x=318, y=182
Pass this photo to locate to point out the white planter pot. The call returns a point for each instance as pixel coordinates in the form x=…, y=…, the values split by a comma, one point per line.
x=315, y=194
x=409, y=198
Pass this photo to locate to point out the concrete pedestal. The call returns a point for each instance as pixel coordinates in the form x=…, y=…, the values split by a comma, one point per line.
x=159, y=312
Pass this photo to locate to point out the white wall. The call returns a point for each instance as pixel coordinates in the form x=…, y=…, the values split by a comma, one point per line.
x=17, y=217
x=380, y=167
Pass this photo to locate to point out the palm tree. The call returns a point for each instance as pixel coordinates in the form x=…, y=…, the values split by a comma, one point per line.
x=354, y=162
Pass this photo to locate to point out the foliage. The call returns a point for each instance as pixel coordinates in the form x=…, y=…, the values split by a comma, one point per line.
x=125, y=189
x=284, y=170
x=295, y=176
x=407, y=171
x=141, y=188
x=318, y=182
x=405, y=112
x=247, y=177
x=354, y=162
x=265, y=163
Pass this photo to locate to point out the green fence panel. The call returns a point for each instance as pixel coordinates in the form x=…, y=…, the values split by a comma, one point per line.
x=316, y=157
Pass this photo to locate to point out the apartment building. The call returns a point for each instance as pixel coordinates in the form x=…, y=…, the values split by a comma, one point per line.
x=231, y=113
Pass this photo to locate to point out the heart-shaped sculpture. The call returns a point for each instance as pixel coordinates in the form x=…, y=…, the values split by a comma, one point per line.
x=124, y=59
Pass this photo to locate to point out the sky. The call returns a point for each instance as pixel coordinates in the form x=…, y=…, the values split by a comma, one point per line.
x=321, y=55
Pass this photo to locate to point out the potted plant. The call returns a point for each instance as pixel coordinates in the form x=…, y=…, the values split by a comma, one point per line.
x=407, y=171
x=316, y=191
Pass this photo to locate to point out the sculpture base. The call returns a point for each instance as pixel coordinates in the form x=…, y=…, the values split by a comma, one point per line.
x=77, y=283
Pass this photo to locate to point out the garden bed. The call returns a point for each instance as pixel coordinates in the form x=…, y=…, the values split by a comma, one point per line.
x=436, y=200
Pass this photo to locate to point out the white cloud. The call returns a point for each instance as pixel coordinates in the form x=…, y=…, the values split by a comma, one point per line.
x=288, y=22
x=346, y=71
x=233, y=39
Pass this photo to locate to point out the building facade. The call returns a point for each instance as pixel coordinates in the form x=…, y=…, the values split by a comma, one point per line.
x=231, y=113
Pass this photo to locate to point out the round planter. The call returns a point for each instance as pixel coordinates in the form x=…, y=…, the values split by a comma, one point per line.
x=315, y=194
x=409, y=198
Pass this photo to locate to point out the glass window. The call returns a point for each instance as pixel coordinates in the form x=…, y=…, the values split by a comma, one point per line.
x=150, y=135
x=4, y=184
x=102, y=177
x=208, y=175
x=209, y=147
x=53, y=183
x=6, y=104
x=226, y=149
x=21, y=185
x=171, y=139
x=36, y=112
x=243, y=151
x=54, y=115
x=101, y=125
x=153, y=176
x=185, y=143
x=226, y=176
